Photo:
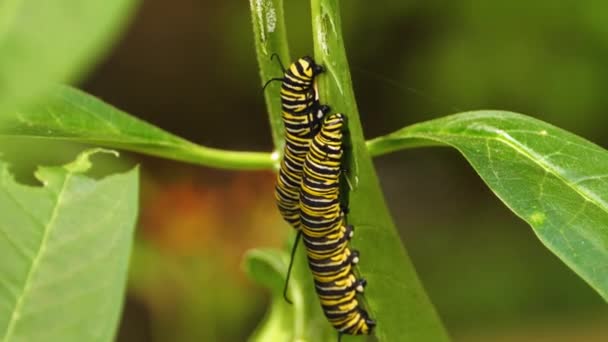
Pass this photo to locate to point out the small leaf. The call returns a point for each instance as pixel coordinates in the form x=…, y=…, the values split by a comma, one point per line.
x=301, y=321
x=267, y=268
x=64, y=250
x=554, y=180
x=42, y=42
x=69, y=114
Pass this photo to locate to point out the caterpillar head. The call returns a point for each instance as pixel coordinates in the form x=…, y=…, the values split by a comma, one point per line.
x=309, y=67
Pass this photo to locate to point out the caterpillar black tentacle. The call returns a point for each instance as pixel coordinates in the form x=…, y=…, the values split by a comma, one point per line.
x=289, y=268
x=278, y=60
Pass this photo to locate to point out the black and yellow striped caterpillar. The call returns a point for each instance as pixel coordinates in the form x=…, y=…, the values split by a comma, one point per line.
x=302, y=114
x=326, y=235
x=308, y=198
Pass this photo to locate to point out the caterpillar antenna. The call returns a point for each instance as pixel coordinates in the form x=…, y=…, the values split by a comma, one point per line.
x=271, y=80
x=278, y=59
x=293, y=253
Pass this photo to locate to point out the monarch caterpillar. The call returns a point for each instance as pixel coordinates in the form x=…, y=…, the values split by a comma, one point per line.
x=326, y=234
x=302, y=114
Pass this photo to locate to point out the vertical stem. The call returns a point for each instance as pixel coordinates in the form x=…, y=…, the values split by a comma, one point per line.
x=394, y=295
x=309, y=323
x=271, y=38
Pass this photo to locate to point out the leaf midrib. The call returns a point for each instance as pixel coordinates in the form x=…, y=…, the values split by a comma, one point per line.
x=541, y=162
x=36, y=262
x=159, y=137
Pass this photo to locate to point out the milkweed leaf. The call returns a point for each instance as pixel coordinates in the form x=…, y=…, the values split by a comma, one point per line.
x=554, y=180
x=69, y=114
x=64, y=251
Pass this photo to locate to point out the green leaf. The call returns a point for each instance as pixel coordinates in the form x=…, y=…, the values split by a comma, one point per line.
x=271, y=38
x=554, y=180
x=268, y=268
x=69, y=114
x=64, y=250
x=42, y=42
x=301, y=321
x=394, y=295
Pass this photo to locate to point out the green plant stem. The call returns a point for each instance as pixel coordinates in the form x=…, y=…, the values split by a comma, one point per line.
x=394, y=296
x=271, y=38
x=381, y=145
x=71, y=115
x=308, y=322
x=218, y=158
x=190, y=153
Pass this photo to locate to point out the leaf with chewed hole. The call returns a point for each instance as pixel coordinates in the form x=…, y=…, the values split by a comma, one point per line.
x=64, y=251
x=554, y=180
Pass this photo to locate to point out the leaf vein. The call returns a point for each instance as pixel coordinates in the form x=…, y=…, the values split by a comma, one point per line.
x=15, y=315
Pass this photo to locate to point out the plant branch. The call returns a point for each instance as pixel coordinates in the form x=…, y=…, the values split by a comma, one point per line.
x=271, y=38
x=394, y=296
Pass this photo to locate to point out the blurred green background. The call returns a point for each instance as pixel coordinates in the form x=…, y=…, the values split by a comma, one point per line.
x=189, y=67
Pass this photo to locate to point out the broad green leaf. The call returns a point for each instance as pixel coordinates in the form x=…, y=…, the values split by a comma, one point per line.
x=301, y=321
x=64, y=250
x=42, y=42
x=554, y=180
x=271, y=38
x=394, y=295
x=72, y=115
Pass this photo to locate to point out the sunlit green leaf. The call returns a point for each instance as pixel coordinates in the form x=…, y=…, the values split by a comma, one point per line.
x=69, y=114
x=552, y=179
x=64, y=250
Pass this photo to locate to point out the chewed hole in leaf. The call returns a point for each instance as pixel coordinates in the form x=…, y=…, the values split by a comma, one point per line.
x=24, y=156
x=73, y=232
